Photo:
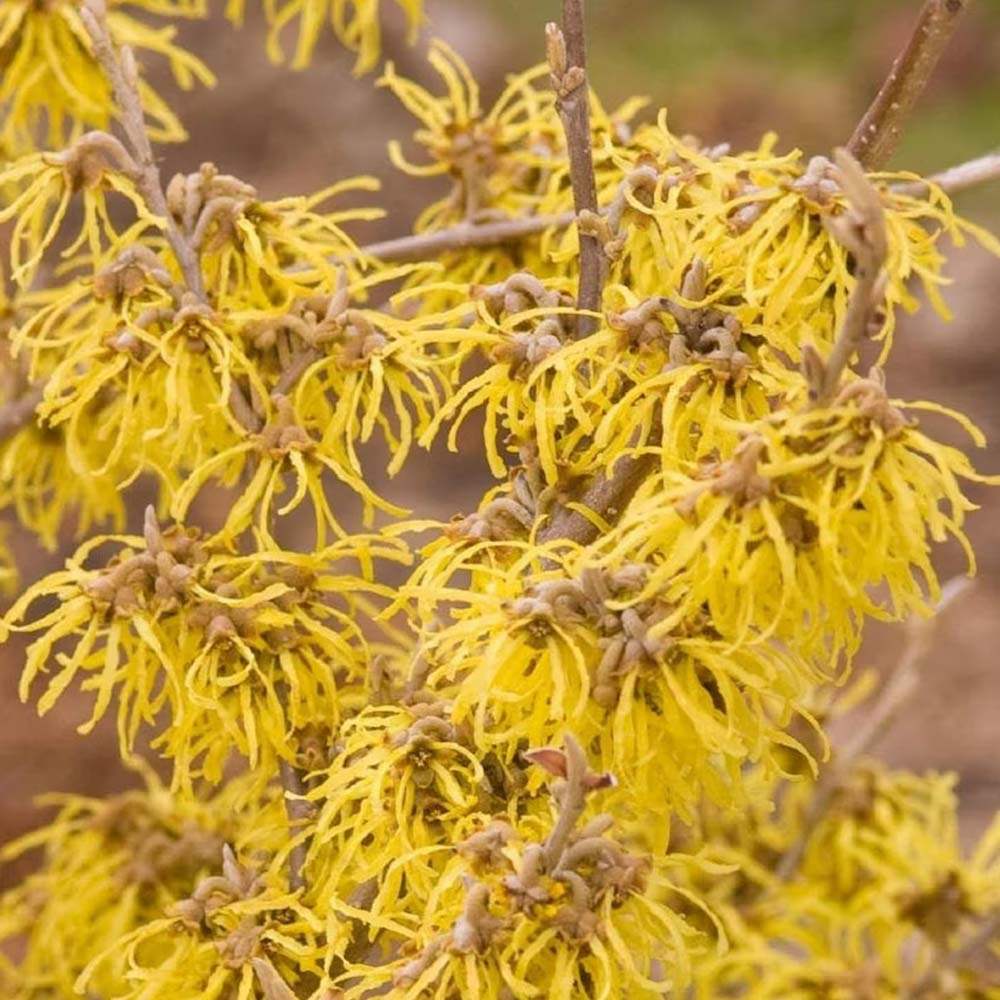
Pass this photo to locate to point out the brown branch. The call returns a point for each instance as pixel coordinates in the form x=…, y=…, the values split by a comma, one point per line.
x=981, y=170
x=861, y=230
x=878, y=133
x=894, y=696
x=981, y=935
x=567, y=55
x=606, y=496
x=298, y=812
x=465, y=236
x=120, y=68
x=469, y=236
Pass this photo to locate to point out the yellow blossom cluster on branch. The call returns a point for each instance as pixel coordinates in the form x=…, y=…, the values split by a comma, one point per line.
x=579, y=747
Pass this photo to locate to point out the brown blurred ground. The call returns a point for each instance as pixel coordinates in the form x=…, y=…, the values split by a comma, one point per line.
x=290, y=133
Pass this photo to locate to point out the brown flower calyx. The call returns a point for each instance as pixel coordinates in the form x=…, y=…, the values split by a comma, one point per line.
x=637, y=193
x=189, y=317
x=704, y=333
x=426, y=737
x=236, y=883
x=625, y=635
x=158, y=578
x=223, y=622
x=526, y=349
x=207, y=206
x=484, y=849
x=517, y=293
x=869, y=397
x=282, y=434
x=90, y=157
x=131, y=273
x=502, y=519
x=736, y=477
x=320, y=322
x=818, y=183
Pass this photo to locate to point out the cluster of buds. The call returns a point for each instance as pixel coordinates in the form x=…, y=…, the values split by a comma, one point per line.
x=704, y=333
x=207, y=206
x=561, y=882
x=626, y=636
x=161, y=576
x=532, y=341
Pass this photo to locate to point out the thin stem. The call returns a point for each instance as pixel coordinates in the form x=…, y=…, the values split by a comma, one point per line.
x=982, y=170
x=879, y=131
x=120, y=68
x=567, y=54
x=895, y=695
x=465, y=236
x=861, y=230
x=298, y=812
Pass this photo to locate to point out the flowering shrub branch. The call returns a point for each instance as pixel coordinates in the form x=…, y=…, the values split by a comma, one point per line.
x=579, y=747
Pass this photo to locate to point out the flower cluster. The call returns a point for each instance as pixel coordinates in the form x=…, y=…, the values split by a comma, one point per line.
x=389, y=786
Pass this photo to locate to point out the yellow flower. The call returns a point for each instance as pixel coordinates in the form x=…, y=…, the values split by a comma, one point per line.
x=533, y=654
x=257, y=253
x=404, y=784
x=94, y=165
x=109, y=867
x=556, y=908
x=50, y=74
x=357, y=24
x=215, y=941
x=816, y=508
x=234, y=648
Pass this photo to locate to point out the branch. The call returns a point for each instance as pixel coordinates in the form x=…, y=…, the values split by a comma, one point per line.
x=298, y=812
x=606, y=496
x=966, y=175
x=120, y=68
x=468, y=236
x=567, y=55
x=123, y=75
x=895, y=694
x=861, y=230
x=464, y=236
x=878, y=133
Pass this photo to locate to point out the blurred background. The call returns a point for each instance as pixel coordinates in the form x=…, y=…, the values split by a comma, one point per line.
x=726, y=70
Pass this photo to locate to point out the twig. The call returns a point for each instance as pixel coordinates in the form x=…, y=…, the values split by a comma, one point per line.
x=606, y=496
x=861, y=230
x=878, y=133
x=298, y=812
x=464, y=236
x=966, y=175
x=567, y=55
x=123, y=74
x=895, y=694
